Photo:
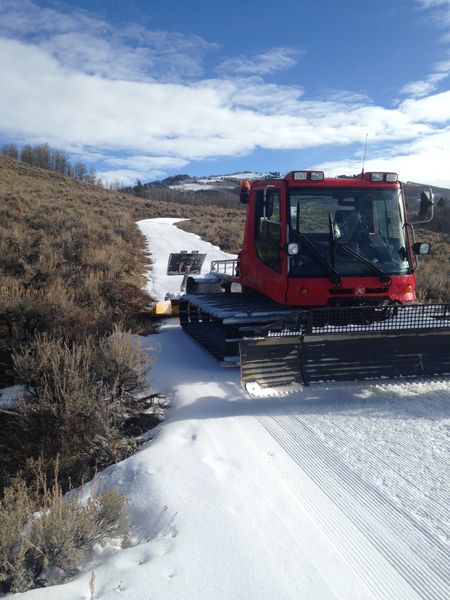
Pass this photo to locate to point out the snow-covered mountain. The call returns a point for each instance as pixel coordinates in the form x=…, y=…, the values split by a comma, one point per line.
x=231, y=182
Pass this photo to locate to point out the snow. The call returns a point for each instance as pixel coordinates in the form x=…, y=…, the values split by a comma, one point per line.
x=10, y=396
x=337, y=492
x=195, y=187
x=165, y=239
x=217, y=181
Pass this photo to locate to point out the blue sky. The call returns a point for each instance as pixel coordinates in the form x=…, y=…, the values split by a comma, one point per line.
x=150, y=89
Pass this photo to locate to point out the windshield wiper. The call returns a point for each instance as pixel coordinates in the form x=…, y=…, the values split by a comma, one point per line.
x=384, y=277
x=316, y=254
x=336, y=243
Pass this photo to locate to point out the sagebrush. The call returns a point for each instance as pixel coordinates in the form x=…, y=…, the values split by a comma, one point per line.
x=44, y=541
x=79, y=400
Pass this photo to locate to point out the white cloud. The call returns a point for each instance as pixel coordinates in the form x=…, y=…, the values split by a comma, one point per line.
x=418, y=89
x=270, y=61
x=93, y=46
x=434, y=3
x=111, y=106
x=143, y=163
x=424, y=160
x=44, y=100
x=127, y=170
x=440, y=4
x=254, y=94
x=438, y=12
x=432, y=109
x=126, y=177
x=25, y=18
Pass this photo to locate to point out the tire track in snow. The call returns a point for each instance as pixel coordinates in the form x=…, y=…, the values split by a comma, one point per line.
x=420, y=559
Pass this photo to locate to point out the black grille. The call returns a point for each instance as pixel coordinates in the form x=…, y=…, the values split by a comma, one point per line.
x=375, y=318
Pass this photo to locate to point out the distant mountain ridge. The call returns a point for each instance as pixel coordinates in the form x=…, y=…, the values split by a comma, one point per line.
x=230, y=183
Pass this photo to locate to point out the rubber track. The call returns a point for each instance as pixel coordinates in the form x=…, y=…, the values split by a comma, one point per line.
x=213, y=320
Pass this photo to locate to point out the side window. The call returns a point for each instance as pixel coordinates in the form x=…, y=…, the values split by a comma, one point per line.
x=268, y=229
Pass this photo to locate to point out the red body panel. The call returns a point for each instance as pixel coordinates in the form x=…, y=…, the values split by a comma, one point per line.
x=319, y=291
x=315, y=291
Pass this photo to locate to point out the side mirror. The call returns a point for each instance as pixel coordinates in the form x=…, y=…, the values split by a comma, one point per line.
x=421, y=248
x=269, y=190
x=426, y=203
x=426, y=210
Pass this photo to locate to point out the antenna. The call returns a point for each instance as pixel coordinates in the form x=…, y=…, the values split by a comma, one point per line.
x=364, y=157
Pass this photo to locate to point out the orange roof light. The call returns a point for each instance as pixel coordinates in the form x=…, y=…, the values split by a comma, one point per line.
x=245, y=191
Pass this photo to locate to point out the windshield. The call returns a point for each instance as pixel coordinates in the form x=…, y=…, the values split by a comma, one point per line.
x=367, y=221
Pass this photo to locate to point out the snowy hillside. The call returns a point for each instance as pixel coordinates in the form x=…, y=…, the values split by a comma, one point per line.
x=340, y=492
x=231, y=182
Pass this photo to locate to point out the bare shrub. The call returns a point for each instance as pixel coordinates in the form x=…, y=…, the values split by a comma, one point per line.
x=121, y=363
x=219, y=227
x=123, y=367
x=67, y=411
x=61, y=241
x=433, y=275
x=45, y=547
x=82, y=405
x=16, y=510
x=112, y=516
x=123, y=299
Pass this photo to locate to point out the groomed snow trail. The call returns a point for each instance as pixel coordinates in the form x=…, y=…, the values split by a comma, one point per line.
x=348, y=485
x=340, y=492
x=369, y=466
x=411, y=545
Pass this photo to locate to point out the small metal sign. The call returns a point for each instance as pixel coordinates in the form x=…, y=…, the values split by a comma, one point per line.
x=185, y=262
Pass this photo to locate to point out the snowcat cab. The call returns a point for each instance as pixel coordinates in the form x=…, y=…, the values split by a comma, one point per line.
x=328, y=288
x=311, y=241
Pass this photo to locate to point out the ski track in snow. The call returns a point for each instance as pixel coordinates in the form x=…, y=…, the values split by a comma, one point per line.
x=339, y=492
x=412, y=549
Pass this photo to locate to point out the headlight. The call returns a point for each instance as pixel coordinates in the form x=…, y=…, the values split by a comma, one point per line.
x=377, y=177
x=391, y=177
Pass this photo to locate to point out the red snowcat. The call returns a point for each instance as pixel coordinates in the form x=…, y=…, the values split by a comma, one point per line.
x=323, y=288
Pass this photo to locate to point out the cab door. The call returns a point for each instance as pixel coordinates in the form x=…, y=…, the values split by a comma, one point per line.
x=266, y=264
